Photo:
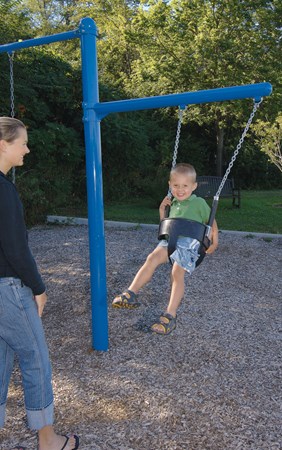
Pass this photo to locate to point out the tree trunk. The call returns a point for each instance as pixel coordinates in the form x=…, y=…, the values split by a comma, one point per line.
x=219, y=149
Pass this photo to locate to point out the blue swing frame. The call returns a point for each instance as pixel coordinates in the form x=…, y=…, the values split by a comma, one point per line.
x=93, y=113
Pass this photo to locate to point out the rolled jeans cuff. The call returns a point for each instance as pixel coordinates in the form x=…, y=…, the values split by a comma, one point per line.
x=38, y=419
x=2, y=415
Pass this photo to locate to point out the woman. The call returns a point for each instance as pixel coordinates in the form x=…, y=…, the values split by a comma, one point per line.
x=22, y=301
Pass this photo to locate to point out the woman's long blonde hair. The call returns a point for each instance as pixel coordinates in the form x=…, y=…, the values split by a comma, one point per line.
x=9, y=128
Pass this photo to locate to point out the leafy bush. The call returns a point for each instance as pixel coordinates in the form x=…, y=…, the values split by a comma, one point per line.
x=31, y=190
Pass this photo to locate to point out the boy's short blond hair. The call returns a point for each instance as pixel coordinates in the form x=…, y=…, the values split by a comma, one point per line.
x=184, y=169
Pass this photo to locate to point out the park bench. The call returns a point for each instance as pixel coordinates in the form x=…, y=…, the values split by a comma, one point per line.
x=208, y=186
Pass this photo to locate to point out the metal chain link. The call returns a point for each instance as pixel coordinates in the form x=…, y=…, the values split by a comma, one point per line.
x=176, y=144
x=12, y=91
x=235, y=154
x=12, y=97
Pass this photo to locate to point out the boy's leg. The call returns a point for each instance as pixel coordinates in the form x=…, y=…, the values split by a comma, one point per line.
x=177, y=289
x=167, y=321
x=145, y=273
x=143, y=276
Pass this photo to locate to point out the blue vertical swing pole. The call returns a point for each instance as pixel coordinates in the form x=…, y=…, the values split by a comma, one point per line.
x=92, y=135
x=87, y=33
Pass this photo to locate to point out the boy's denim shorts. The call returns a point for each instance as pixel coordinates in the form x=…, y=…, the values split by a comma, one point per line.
x=186, y=253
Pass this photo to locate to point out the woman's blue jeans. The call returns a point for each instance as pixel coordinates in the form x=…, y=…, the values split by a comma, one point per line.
x=21, y=333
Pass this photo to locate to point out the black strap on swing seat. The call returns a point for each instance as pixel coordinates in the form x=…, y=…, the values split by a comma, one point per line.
x=171, y=228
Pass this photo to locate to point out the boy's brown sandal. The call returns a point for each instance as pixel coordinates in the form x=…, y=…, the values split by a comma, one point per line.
x=167, y=323
x=126, y=300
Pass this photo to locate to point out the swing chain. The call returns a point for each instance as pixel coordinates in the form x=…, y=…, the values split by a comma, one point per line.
x=176, y=145
x=233, y=159
x=12, y=96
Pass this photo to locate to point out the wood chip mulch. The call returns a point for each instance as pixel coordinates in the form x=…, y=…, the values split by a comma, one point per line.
x=213, y=384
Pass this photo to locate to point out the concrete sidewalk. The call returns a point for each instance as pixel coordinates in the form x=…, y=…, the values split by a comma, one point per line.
x=108, y=223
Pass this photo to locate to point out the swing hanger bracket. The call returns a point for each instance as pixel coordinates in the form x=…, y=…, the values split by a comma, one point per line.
x=208, y=231
x=258, y=99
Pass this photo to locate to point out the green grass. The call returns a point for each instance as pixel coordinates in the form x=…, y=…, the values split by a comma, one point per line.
x=261, y=211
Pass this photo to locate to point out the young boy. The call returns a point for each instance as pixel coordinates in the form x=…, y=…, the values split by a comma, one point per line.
x=182, y=183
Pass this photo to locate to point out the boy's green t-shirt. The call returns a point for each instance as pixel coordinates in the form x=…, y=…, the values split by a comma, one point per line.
x=193, y=208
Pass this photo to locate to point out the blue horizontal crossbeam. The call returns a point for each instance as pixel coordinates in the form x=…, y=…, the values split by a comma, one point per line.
x=255, y=91
x=39, y=41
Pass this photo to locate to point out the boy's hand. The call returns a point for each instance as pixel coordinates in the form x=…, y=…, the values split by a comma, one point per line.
x=166, y=202
x=214, y=239
x=41, y=302
x=212, y=248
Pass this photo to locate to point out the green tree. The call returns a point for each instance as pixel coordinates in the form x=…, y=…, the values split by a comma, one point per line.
x=50, y=15
x=144, y=48
x=112, y=17
x=269, y=138
x=14, y=21
x=187, y=45
x=116, y=51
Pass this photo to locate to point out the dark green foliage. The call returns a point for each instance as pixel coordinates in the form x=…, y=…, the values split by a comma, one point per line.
x=127, y=156
x=45, y=100
x=254, y=171
x=49, y=174
x=32, y=189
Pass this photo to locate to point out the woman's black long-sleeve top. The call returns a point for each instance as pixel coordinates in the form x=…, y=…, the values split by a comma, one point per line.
x=16, y=259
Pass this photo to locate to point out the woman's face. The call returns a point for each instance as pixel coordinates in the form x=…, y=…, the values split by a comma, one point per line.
x=14, y=152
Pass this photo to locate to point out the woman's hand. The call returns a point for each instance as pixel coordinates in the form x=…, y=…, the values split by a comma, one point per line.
x=40, y=302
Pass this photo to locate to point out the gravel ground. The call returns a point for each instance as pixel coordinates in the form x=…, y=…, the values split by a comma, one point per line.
x=213, y=384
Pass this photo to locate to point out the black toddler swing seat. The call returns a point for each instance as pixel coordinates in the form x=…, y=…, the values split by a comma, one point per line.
x=171, y=228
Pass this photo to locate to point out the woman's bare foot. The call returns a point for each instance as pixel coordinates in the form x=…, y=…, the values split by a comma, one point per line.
x=49, y=440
